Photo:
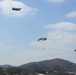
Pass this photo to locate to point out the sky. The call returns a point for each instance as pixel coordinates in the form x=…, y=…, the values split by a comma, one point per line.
x=20, y=30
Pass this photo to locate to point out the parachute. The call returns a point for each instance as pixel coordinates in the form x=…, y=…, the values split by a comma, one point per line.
x=75, y=50
x=43, y=39
x=62, y=37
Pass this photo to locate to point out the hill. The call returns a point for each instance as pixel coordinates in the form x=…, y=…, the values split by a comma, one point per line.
x=47, y=67
x=51, y=65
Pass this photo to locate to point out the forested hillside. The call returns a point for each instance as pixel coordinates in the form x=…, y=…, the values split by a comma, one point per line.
x=48, y=67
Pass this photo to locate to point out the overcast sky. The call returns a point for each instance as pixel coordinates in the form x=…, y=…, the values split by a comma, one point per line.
x=20, y=30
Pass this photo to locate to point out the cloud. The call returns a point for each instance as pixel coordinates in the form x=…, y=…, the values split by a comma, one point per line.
x=60, y=35
x=5, y=44
x=57, y=1
x=63, y=26
x=57, y=40
x=6, y=8
x=71, y=14
x=5, y=41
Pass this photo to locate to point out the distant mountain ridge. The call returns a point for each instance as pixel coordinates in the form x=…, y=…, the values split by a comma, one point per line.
x=54, y=64
x=47, y=67
x=5, y=66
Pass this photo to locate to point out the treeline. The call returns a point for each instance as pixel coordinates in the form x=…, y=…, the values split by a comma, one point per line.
x=24, y=71
x=16, y=71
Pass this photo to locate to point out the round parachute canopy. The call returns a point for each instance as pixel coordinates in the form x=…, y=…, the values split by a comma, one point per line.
x=43, y=39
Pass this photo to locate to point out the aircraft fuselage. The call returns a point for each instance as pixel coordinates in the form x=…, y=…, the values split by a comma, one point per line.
x=16, y=9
